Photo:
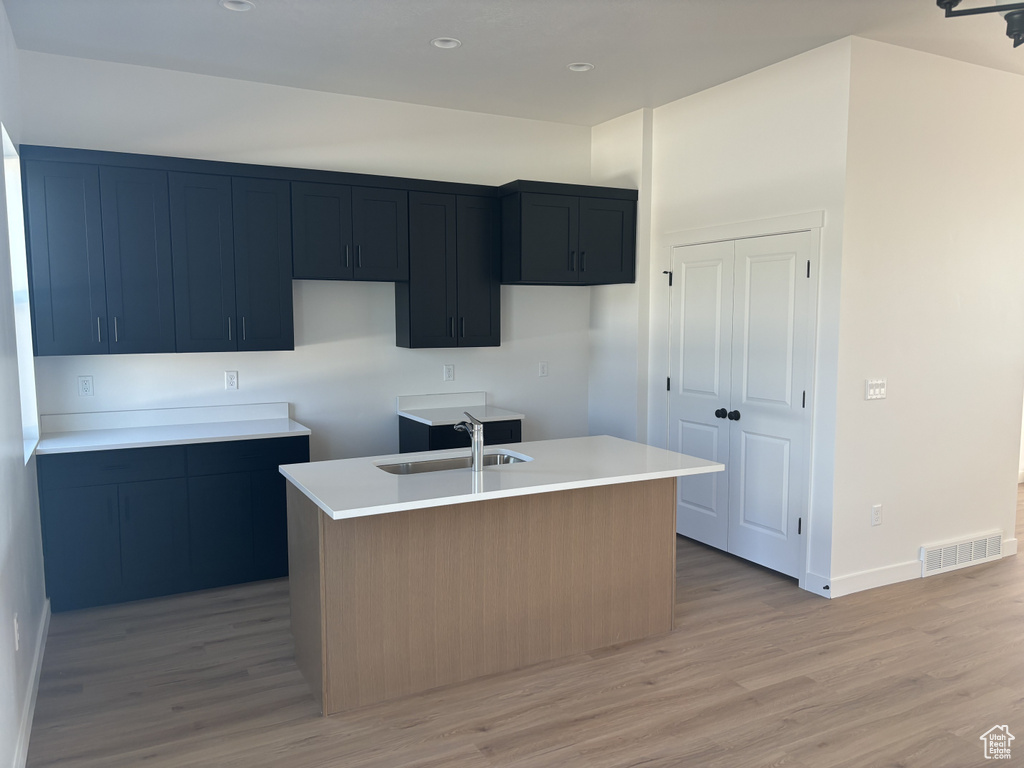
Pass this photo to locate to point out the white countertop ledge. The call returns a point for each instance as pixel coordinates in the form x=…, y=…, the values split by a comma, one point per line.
x=348, y=488
x=440, y=417
x=114, y=430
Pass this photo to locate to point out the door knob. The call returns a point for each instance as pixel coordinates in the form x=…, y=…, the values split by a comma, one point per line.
x=721, y=413
x=734, y=415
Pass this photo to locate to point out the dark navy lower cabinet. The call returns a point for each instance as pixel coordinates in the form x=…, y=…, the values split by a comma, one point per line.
x=143, y=522
x=154, y=538
x=416, y=436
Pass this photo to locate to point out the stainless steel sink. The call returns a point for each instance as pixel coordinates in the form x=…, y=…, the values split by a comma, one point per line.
x=457, y=462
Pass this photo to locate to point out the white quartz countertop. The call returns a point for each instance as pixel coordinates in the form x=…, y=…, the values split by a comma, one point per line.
x=347, y=488
x=112, y=430
x=439, y=417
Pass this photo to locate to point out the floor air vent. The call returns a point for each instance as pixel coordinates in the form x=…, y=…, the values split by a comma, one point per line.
x=940, y=558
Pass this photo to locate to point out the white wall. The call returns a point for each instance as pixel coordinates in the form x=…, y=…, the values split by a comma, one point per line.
x=932, y=290
x=21, y=568
x=769, y=144
x=1020, y=475
x=345, y=373
x=619, y=314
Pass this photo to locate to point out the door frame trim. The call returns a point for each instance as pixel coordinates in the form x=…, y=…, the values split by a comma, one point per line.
x=743, y=230
x=810, y=221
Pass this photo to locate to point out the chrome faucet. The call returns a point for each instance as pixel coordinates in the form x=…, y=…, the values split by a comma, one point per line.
x=475, y=429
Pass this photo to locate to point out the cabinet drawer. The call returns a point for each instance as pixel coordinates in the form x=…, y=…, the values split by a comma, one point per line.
x=128, y=465
x=245, y=455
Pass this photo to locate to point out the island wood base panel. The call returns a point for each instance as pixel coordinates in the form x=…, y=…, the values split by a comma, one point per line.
x=389, y=605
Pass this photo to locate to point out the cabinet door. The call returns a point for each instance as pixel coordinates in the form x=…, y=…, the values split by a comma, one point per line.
x=154, y=537
x=269, y=524
x=263, y=263
x=479, y=272
x=220, y=529
x=204, y=265
x=321, y=231
x=137, y=260
x=607, y=241
x=65, y=246
x=426, y=305
x=81, y=546
x=380, y=227
x=550, y=230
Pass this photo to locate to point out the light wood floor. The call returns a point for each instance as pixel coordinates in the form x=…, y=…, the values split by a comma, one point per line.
x=758, y=673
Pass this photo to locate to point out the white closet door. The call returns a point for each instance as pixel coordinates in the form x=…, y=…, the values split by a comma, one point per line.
x=701, y=362
x=769, y=442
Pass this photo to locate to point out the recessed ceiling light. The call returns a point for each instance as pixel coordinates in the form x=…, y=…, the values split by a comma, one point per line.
x=445, y=42
x=580, y=66
x=237, y=5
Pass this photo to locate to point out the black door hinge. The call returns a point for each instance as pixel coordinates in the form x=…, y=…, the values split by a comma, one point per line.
x=666, y=272
x=668, y=384
x=808, y=267
x=799, y=526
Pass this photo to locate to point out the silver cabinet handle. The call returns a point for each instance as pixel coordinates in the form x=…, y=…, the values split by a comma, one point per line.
x=115, y=329
x=229, y=329
x=348, y=256
x=99, y=332
x=243, y=327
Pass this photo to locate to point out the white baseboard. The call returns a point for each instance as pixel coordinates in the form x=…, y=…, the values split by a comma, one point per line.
x=877, y=577
x=816, y=583
x=28, y=707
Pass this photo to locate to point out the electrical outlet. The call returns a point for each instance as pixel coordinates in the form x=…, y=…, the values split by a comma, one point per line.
x=874, y=389
x=876, y=514
x=449, y=372
x=542, y=369
x=17, y=634
x=231, y=380
x=85, y=386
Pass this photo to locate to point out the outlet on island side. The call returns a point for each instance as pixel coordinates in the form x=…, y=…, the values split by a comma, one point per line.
x=876, y=514
x=449, y=372
x=542, y=369
x=85, y=386
x=231, y=380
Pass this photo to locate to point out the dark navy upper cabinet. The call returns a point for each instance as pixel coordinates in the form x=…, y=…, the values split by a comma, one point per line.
x=607, y=241
x=380, y=234
x=349, y=233
x=426, y=306
x=65, y=246
x=478, y=242
x=452, y=297
x=550, y=238
x=321, y=231
x=561, y=234
x=137, y=260
x=263, y=264
x=202, y=247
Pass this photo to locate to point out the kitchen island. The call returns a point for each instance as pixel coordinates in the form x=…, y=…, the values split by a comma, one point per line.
x=401, y=583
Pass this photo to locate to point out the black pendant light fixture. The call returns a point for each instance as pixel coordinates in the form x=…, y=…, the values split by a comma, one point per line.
x=1012, y=12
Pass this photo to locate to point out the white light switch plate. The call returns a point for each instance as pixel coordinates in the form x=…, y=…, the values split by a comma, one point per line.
x=874, y=389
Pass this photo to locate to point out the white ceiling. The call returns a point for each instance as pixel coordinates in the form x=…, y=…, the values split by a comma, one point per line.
x=514, y=53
